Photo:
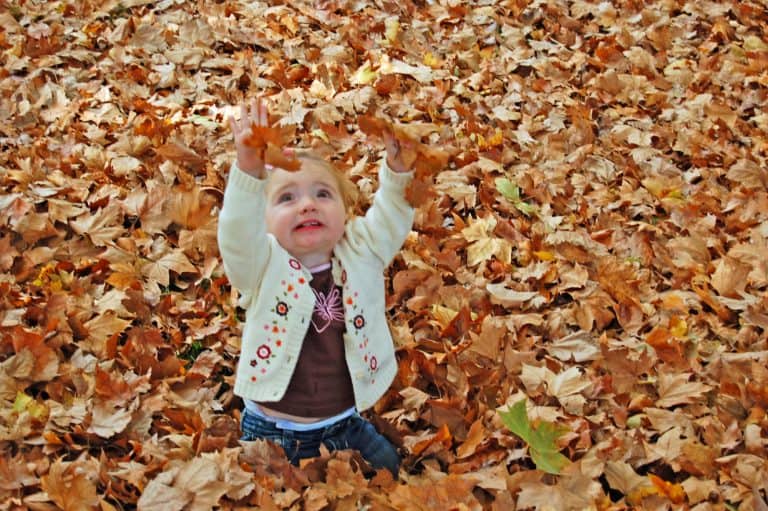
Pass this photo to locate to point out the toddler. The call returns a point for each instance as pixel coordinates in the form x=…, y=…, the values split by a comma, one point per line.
x=316, y=347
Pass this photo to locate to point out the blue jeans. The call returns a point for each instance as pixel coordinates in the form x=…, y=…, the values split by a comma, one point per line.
x=354, y=432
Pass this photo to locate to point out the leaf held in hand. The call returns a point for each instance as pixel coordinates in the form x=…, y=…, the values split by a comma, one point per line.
x=424, y=160
x=271, y=141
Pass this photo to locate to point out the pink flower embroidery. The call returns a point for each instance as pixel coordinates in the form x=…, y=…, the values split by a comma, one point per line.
x=374, y=363
x=264, y=351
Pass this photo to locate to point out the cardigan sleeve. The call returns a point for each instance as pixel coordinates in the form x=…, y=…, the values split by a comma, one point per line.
x=242, y=234
x=388, y=220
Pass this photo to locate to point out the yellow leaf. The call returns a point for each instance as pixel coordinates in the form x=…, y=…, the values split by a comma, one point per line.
x=25, y=403
x=754, y=43
x=678, y=327
x=443, y=314
x=675, y=194
x=544, y=255
x=432, y=61
x=391, y=28
x=364, y=75
x=21, y=402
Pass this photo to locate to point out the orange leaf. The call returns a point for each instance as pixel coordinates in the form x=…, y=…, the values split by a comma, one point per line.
x=672, y=491
x=667, y=347
x=275, y=156
x=443, y=436
x=476, y=436
x=46, y=359
x=262, y=136
x=373, y=126
x=424, y=160
x=270, y=141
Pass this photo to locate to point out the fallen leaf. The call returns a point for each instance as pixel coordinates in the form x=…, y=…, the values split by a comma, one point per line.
x=69, y=487
x=540, y=437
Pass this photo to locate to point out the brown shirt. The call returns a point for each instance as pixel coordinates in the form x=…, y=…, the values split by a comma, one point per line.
x=320, y=385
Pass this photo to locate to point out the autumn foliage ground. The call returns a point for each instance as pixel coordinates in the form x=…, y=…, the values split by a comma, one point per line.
x=596, y=244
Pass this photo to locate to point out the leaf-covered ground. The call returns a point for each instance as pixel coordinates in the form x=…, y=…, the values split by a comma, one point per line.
x=596, y=246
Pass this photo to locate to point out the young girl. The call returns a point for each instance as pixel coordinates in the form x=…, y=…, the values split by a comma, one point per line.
x=316, y=347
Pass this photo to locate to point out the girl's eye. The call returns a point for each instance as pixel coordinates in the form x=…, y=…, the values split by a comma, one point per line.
x=284, y=197
x=325, y=194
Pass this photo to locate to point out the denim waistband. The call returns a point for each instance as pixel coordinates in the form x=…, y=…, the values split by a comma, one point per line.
x=289, y=425
x=309, y=430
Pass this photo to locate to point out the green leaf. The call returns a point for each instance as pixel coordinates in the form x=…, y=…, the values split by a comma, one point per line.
x=544, y=450
x=516, y=420
x=511, y=192
x=508, y=189
x=525, y=208
x=203, y=121
x=22, y=402
x=541, y=438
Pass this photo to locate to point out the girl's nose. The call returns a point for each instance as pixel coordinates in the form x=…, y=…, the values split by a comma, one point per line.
x=307, y=204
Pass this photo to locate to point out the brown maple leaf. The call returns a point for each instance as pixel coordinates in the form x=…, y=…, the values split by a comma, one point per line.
x=68, y=485
x=271, y=141
x=423, y=159
x=46, y=360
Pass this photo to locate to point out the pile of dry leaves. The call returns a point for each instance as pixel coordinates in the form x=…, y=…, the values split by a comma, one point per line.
x=590, y=244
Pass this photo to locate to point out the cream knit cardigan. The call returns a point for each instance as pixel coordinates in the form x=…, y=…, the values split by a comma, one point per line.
x=275, y=289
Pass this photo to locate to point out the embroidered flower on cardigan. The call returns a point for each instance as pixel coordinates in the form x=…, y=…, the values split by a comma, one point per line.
x=295, y=264
x=359, y=332
x=264, y=352
x=282, y=308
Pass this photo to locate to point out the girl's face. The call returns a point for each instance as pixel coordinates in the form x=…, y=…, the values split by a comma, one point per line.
x=305, y=212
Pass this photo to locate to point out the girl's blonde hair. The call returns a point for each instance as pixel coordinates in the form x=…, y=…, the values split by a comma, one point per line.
x=347, y=188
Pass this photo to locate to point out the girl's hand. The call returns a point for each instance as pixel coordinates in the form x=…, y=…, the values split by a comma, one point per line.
x=249, y=159
x=400, y=154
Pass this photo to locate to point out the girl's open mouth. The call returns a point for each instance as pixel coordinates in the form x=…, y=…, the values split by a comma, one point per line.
x=309, y=224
